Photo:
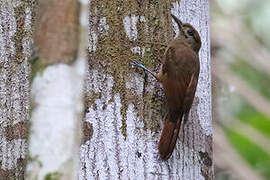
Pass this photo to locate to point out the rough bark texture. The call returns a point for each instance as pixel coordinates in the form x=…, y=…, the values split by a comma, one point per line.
x=124, y=109
x=16, y=18
x=57, y=30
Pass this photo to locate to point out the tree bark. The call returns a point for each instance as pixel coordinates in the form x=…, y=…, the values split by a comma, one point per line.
x=124, y=109
x=56, y=92
x=57, y=30
x=16, y=19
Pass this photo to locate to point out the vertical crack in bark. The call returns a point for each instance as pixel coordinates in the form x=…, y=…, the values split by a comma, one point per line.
x=87, y=129
x=116, y=139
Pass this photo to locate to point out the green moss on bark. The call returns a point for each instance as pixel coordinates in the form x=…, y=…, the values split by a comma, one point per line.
x=113, y=53
x=53, y=176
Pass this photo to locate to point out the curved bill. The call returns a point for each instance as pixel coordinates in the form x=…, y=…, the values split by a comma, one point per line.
x=178, y=22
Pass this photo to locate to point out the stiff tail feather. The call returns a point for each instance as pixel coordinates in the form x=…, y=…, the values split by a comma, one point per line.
x=168, y=138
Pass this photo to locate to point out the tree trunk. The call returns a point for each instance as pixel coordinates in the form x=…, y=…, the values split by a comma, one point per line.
x=57, y=30
x=56, y=92
x=16, y=19
x=124, y=109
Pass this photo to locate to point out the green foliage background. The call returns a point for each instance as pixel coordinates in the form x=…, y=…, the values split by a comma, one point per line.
x=240, y=36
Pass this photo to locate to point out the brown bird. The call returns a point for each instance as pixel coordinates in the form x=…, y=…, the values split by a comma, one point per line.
x=179, y=76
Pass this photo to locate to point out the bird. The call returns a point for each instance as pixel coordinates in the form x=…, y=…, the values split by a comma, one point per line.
x=178, y=75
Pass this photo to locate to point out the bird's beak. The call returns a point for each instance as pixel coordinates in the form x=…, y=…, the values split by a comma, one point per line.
x=178, y=22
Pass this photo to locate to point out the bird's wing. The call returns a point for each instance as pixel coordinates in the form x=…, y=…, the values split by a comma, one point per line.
x=179, y=81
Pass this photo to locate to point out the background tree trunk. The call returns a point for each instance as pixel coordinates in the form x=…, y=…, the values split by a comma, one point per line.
x=124, y=108
x=16, y=19
x=56, y=91
x=57, y=30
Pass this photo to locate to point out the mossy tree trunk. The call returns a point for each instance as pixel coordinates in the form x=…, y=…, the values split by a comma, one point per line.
x=16, y=19
x=124, y=109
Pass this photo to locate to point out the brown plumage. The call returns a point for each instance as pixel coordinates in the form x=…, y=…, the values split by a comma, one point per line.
x=179, y=76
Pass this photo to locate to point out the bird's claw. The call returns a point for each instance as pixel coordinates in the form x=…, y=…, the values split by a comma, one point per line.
x=135, y=63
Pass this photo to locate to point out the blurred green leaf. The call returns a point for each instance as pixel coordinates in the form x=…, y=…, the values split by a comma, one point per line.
x=258, y=80
x=256, y=119
x=255, y=156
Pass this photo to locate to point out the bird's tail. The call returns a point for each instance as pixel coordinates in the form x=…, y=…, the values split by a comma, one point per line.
x=168, y=138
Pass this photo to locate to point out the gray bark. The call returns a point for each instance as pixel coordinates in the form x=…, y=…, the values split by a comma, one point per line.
x=124, y=110
x=16, y=18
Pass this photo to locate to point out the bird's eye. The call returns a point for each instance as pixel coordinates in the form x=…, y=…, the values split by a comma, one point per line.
x=190, y=32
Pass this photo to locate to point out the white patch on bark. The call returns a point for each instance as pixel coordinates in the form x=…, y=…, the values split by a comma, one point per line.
x=57, y=94
x=92, y=41
x=138, y=50
x=135, y=84
x=190, y=11
x=130, y=26
x=28, y=19
x=142, y=19
x=27, y=46
x=130, y=23
x=103, y=27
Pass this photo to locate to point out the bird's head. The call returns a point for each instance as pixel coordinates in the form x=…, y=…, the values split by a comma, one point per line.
x=188, y=34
